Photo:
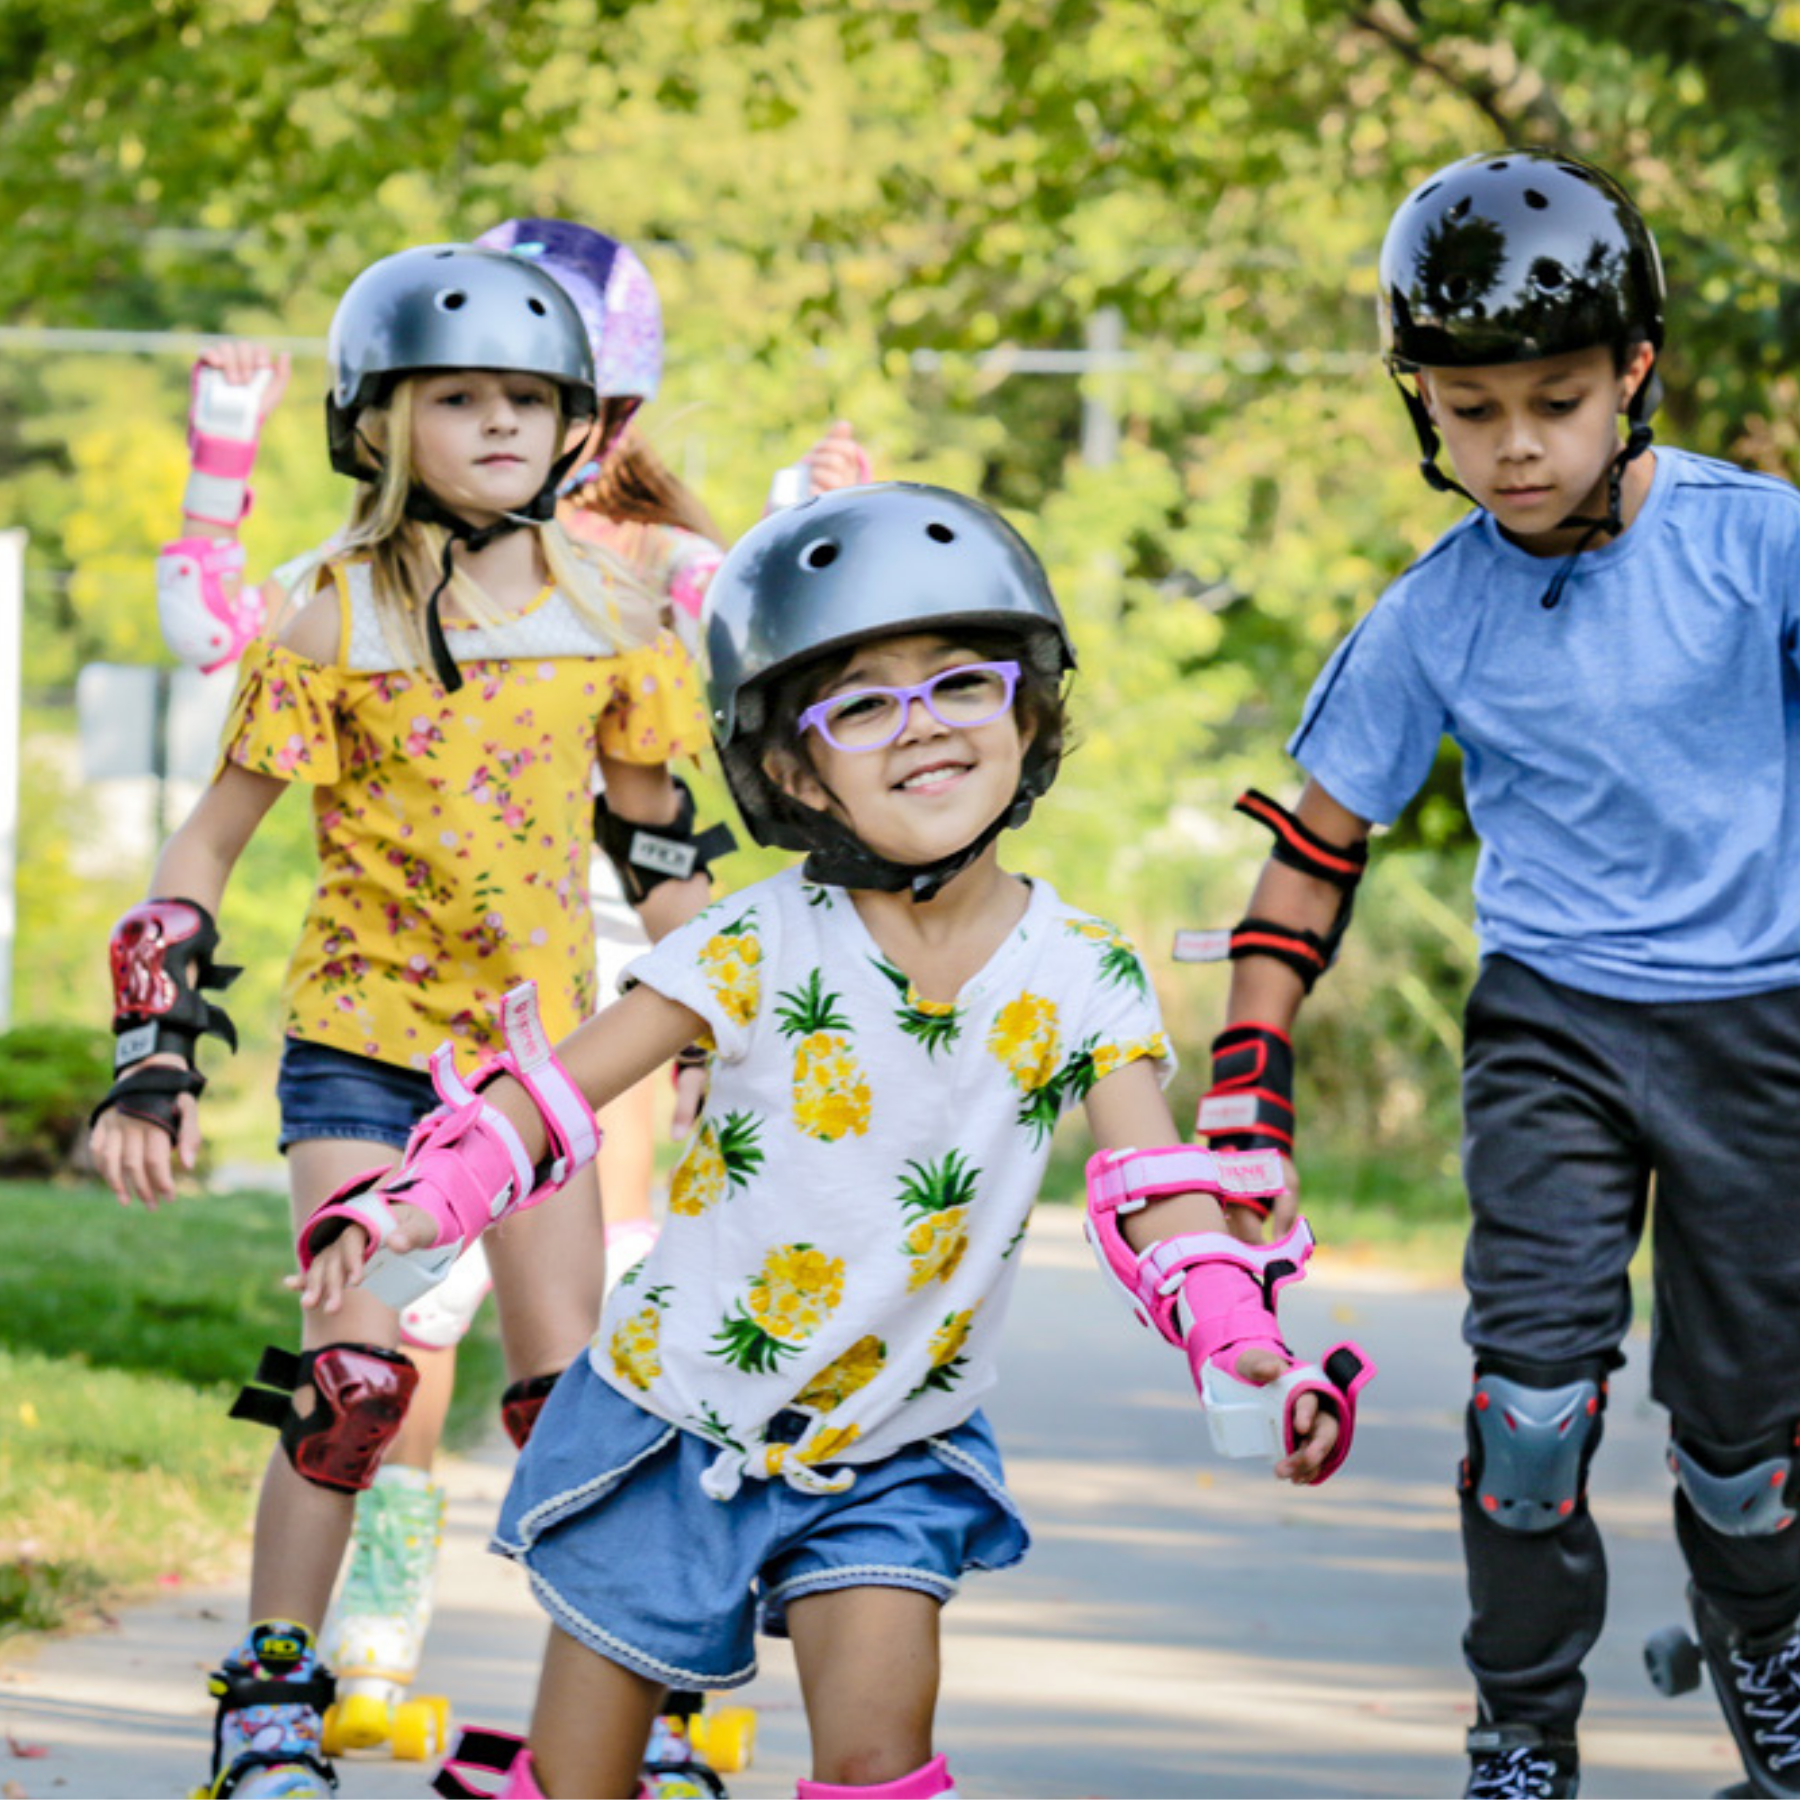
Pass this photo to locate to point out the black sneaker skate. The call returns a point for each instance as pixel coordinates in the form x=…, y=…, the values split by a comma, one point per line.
x=1757, y=1679
x=1520, y=1762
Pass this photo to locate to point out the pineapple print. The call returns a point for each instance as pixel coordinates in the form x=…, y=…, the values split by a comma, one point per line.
x=947, y=1359
x=936, y=1024
x=730, y=960
x=794, y=1292
x=1024, y=1037
x=837, y=1381
x=822, y=1446
x=935, y=1198
x=637, y=1343
x=721, y=1159
x=1119, y=963
x=831, y=1092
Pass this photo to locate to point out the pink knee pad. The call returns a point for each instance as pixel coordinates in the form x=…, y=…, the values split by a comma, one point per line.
x=488, y=1753
x=932, y=1782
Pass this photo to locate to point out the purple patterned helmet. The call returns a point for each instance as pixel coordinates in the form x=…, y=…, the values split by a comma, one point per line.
x=612, y=291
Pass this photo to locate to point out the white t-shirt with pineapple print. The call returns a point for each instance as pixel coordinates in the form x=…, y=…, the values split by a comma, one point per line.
x=844, y=1226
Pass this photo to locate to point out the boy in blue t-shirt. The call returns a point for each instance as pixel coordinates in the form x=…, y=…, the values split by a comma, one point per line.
x=1611, y=640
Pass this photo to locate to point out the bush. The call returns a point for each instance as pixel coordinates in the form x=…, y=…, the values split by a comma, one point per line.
x=50, y=1078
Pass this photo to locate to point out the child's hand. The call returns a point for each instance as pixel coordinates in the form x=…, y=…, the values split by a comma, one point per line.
x=342, y=1264
x=837, y=460
x=135, y=1158
x=239, y=360
x=1315, y=1426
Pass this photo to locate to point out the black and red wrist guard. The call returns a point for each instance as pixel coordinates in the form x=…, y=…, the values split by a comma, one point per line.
x=1250, y=1105
x=645, y=856
x=162, y=956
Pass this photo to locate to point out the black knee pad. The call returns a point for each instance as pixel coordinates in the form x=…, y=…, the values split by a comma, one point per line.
x=1532, y=1433
x=360, y=1396
x=1743, y=1490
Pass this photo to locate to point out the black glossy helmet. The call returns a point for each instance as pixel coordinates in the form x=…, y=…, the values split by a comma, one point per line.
x=449, y=306
x=859, y=563
x=1516, y=256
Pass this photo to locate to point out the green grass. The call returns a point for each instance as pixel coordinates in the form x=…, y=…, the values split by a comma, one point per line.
x=123, y=1336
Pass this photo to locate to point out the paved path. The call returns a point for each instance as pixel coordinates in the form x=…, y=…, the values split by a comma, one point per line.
x=1184, y=1626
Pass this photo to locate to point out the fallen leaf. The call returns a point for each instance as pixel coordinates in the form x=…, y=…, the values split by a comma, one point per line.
x=25, y=1750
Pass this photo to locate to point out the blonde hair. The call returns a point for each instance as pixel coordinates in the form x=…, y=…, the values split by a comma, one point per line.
x=633, y=485
x=406, y=555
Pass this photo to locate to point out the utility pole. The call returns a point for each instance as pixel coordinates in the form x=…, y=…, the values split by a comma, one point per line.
x=12, y=641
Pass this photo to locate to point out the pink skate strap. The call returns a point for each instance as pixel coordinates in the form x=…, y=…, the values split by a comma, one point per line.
x=931, y=1782
x=224, y=424
x=1122, y=1181
x=689, y=584
x=490, y=1754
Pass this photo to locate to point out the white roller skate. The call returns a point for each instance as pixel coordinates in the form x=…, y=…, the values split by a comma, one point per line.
x=689, y=1749
x=273, y=1693
x=376, y=1632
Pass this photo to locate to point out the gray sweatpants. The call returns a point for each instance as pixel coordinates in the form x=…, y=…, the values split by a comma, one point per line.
x=1572, y=1103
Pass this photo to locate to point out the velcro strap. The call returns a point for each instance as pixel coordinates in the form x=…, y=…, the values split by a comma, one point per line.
x=1130, y=1179
x=1305, y=952
x=1301, y=848
x=645, y=856
x=569, y=1119
x=215, y=499
x=1250, y=1105
x=150, y=1094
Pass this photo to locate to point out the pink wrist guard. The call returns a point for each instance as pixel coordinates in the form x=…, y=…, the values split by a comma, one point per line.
x=465, y=1164
x=1123, y=1181
x=202, y=622
x=224, y=425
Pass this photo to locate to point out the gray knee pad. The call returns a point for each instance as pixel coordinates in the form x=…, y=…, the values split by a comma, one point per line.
x=1530, y=1443
x=1751, y=1497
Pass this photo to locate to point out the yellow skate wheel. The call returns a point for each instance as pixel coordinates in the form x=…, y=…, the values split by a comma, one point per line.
x=418, y=1731
x=726, y=1738
x=331, y=1740
x=440, y=1706
x=363, y=1722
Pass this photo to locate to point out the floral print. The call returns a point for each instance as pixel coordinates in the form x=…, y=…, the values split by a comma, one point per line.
x=452, y=830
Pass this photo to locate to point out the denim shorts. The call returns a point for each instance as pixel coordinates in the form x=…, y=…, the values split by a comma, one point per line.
x=628, y=1555
x=328, y=1093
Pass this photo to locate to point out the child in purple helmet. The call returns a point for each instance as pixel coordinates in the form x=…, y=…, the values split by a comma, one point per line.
x=1610, y=637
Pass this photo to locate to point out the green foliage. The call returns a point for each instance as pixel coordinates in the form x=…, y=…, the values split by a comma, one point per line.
x=50, y=1077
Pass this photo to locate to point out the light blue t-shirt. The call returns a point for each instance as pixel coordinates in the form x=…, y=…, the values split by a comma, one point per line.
x=1629, y=757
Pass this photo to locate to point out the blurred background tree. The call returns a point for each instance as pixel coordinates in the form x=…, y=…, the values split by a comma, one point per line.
x=888, y=212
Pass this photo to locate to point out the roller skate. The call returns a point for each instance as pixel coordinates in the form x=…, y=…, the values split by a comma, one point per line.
x=689, y=1749
x=1520, y=1762
x=1757, y=1680
x=272, y=1692
x=376, y=1631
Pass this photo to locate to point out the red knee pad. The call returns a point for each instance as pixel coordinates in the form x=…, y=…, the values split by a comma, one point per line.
x=522, y=1402
x=361, y=1393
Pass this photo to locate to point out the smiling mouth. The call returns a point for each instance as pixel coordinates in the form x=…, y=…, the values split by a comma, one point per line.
x=931, y=775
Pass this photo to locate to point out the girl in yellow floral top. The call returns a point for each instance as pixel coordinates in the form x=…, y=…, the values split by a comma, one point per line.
x=442, y=691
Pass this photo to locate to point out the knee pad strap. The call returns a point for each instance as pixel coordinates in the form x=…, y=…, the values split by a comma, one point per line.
x=361, y=1393
x=1529, y=1448
x=1748, y=1502
x=490, y=1754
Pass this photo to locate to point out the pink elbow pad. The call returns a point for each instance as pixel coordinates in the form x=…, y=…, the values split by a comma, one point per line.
x=202, y=621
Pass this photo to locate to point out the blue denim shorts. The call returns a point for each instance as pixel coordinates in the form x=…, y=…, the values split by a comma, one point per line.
x=328, y=1093
x=629, y=1555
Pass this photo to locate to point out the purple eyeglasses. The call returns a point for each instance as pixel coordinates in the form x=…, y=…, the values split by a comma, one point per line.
x=871, y=718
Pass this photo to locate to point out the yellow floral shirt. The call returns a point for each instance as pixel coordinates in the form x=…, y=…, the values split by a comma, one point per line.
x=453, y=830
x=843, y=1225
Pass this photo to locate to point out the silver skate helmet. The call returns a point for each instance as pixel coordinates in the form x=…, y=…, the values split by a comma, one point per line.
x=449, y=306
x=843, y=567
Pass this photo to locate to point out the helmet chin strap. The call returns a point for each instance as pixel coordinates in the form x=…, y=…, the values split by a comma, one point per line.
x=844, y=860
x=1637, y=440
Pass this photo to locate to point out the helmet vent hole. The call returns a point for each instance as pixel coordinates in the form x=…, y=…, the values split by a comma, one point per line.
x=821, y=553
x=1548, y=274
x=1461, y=209
x=535, y=305
x=1425, y=193
x=940, y=533
x=452, y=301
x=1535, y=200
x=1495, y=168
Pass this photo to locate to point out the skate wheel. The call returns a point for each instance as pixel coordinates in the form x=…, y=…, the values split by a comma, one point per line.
x=726, y=1738
x=1672, y=1661
x=418, y=1730
x=441, y=1707
x=330, y=1741
x=363, y=1722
